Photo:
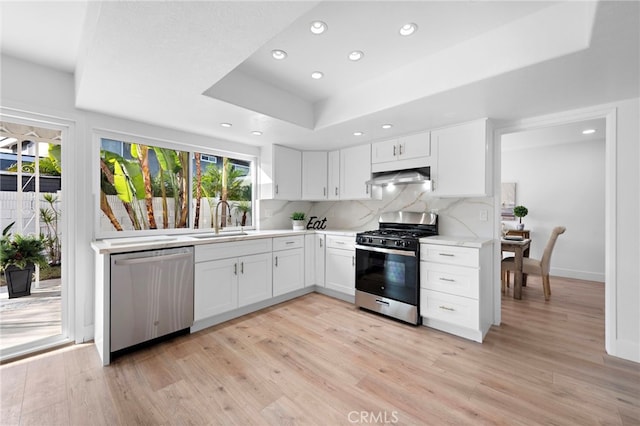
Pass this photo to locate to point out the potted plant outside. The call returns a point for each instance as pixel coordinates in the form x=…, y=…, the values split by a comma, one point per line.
x=298, y=219
x=18, y=256
x=520, y=212
x=243, y=207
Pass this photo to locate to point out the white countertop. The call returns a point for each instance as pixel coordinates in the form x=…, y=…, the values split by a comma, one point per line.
x=153, y=242
x=448, y=240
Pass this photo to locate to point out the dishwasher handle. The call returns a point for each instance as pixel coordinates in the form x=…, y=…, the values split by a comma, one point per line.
x=152, y=259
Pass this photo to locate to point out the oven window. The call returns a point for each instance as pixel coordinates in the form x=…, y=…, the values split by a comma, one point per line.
x=389, y=275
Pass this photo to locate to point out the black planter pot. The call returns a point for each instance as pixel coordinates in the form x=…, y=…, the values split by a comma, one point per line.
x=19, y=280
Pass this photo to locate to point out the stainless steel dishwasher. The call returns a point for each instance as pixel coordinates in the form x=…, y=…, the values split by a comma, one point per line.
x=151, y=295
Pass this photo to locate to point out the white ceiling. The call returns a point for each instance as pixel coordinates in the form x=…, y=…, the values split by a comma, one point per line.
x=555, y=135
x=153, y=61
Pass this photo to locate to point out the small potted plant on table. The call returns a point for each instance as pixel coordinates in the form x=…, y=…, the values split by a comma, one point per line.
x=18, y=256
x=298, y=219
x=520, y=212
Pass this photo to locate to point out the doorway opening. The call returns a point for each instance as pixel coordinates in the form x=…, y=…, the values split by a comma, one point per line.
x=31, y=204
x=602, y=157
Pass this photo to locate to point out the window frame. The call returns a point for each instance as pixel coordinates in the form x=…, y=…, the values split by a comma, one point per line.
x=99, y=134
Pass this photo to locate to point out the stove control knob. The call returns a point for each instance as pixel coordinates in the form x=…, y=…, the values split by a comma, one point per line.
x=400, y=243
x=383, y=242
x=370, y=240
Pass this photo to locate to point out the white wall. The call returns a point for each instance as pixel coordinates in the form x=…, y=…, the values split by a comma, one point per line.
x=563, y=185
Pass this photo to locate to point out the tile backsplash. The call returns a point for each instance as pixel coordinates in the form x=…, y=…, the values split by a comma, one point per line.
x=456, y=216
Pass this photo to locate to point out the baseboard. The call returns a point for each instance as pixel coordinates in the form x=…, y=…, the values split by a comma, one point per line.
x=628, y=350
x=578, y=275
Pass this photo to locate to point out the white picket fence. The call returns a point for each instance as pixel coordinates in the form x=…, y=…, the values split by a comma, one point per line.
x=9, y=208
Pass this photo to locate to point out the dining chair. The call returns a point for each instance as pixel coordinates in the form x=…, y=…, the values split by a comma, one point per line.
x=534, y=266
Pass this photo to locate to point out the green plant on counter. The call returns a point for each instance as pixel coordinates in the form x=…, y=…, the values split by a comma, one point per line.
x=298, y=216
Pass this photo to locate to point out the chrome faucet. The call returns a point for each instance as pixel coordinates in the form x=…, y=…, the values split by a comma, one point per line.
x=216, y=225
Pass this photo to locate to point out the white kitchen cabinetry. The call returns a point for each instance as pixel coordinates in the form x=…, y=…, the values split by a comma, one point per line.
x=281, y=177
x=231, y=275
x=464, y=163
x=288, y=264
x=355, y=171
x=309, y=260
x=314, y=175
x=333, y=177
x=406, y=152
x=319, y=254
x=340, y=264
x=455, y=289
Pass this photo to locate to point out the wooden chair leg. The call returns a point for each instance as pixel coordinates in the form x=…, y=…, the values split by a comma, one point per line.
x=546, y=287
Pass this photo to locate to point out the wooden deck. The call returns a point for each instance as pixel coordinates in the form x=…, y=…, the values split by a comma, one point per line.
x=320, y=361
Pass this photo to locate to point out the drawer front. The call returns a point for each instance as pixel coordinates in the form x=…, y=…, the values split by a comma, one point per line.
x=215, y=251
x=455, y=310
x=341, y=242
x=451, y=255
x=286, y=243
x=458, y=280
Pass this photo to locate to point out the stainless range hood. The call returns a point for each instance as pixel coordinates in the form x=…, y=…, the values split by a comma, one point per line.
x=402, y=177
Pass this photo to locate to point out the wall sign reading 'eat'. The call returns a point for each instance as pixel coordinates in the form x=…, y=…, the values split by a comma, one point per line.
x=315, y=223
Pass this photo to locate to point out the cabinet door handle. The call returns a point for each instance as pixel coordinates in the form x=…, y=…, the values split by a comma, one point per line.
x=242, y=267
x=276, y=261
x=324, y=191
x=400, y=149
x=449, y=280
x=366, y=189
x=336, y=190
x=340, y=242
x=290, y=242
x=446, y=308
x=446, y=254
x=320, y=243
x=235, y=269
x=353, y=261
x=276, y=188
x=394, y=150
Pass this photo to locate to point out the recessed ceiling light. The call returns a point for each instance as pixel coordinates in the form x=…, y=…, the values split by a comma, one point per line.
x=356, y=55
x=278, y=54
x=408, y=29
x=317, y=75
x=226, y=124
x=256, y=133
x=387, y=126
x=318, y=27
x=358, y=133
x=588, y=131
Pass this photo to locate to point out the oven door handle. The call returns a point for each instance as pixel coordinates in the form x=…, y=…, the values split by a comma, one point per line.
x=407, y=253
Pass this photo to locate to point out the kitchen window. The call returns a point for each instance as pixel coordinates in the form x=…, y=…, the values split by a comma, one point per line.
x=145, y=187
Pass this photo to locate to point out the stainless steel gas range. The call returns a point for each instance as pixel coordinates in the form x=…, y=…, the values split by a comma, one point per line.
x=388, y=264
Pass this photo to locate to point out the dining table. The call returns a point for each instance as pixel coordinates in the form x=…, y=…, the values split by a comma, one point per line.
x=519, y=248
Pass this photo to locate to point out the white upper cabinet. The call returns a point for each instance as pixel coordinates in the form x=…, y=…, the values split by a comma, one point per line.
x=355, y=171
x=463, y=160
x=314, y=175
x=406, y=152
x=384, y=151
x=281, y=177
x=333, y=178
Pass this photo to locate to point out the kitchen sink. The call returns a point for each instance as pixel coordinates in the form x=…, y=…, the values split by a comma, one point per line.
x=222, y=234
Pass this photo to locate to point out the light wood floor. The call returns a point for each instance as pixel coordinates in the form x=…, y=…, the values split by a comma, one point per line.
x=316, y=360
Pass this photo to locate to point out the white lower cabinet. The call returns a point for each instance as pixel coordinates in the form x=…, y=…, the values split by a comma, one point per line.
x=319, y=255
x=254, y=282
x=455, y=289
x=216, y=288
x=288, y=264
x=222, y=285
x=340, y=264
